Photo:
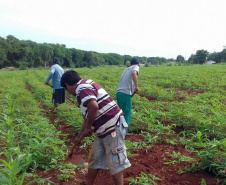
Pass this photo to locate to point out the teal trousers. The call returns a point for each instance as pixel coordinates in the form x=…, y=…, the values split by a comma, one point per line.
x=125, y=103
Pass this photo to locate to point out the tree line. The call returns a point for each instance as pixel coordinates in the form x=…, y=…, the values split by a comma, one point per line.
x=202, y=56
x=28, y=54
x=25, y=53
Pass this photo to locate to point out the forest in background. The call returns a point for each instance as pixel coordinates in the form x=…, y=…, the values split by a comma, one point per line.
x=28, y=54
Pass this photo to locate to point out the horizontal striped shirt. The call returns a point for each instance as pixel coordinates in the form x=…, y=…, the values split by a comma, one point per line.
x=108, y=110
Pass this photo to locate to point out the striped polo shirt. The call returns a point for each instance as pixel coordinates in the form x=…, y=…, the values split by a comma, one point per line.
x=108, y=111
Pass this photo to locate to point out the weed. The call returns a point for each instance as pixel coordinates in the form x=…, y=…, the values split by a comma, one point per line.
x=144, y=179
x=203, y=182
x=177, y=158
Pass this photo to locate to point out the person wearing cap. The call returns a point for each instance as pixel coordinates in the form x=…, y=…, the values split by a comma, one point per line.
x=128, y=86
x=56, y=72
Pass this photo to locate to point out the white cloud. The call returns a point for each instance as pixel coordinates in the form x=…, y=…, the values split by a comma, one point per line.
x=135, y=27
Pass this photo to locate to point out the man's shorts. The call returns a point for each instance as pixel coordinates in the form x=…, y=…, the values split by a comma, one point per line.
x=58, y=96
x=110, y=152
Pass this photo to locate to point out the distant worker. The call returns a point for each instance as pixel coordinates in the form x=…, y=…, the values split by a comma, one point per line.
x=56, y=72
x=128, y=86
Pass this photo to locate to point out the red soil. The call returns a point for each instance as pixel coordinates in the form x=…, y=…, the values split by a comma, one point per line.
x=149, y=161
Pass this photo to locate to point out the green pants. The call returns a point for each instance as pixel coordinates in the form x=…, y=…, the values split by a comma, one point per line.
x=125, y=103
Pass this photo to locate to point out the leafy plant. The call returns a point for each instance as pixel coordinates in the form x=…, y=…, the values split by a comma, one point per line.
x=144, y=179
x=13, y=171
x=149, y=139
x=203, y=182
x=180, y=171
x=177, y=158
x=134, y=145
x=67, y=170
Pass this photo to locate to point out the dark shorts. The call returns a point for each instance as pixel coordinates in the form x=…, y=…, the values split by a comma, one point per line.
x=58, y=96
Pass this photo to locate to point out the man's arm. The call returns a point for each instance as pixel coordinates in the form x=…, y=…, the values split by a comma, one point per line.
x=134, y=77
x=82, y=129
x=86, y=129
x=52, y=71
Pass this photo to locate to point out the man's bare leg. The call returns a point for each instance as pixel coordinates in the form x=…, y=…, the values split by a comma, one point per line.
x=118, y=178
x=92, y=174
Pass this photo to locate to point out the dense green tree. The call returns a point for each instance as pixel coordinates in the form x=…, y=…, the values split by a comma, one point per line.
x=93, y=59
x=180, y=59
x=143, y=60
x=5, y=46
x=215, y=56
x=192, y=59
x=67, y=60
x=223, y=55
x=156, y=60
x=46, y=52
x=77, y=57
x=113, y=59
x=3, y=56
x=87, y=58
x=127, y=58
x=201, y=56
x=59, y=51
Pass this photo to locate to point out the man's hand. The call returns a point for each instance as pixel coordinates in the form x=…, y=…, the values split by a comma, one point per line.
x=47, y=83
x=77, y=142
x=136, y=90
x=88, y=132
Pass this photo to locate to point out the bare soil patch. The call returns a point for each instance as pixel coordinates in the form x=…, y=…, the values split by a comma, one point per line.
x=149, y=161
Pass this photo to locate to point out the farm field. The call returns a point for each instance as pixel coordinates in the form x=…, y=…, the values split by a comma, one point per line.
x=178, y=128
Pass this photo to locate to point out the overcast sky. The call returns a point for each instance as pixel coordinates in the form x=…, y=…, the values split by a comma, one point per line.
x=164, y=28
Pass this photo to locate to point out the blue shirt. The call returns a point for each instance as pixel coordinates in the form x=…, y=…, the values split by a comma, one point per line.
x=55, y=74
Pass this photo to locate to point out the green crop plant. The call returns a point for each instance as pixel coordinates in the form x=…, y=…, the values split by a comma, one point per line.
x=88, y=141
x=213, y=158
x=134, y=145
x=26, y=132
x=144, y=179
x=173, y=141
x=67, y=113
x=13, y=171
x=149, y=139
x=70, y=115
x=10, y=168
x=67, y=170
x=203, y=182
x=180, y=171
x=178, y=158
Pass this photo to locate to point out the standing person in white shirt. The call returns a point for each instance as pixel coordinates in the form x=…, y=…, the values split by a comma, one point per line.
x=128, y=86
x=56, y=72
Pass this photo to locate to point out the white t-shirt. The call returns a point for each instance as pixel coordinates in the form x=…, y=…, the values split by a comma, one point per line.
x=126, y=83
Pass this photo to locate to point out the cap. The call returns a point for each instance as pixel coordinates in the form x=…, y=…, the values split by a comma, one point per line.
x=134, y=61
x=56, y=60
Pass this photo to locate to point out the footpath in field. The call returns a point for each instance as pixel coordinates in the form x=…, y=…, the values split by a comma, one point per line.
x=155, y=160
